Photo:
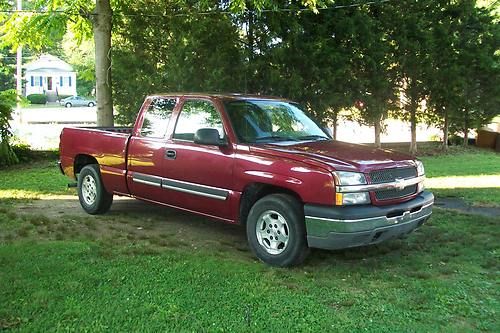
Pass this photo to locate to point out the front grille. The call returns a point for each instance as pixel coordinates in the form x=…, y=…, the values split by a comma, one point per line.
x=395, y=194
x=390, y=175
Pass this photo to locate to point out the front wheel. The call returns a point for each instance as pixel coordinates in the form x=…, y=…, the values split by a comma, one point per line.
x=276, y=230
x=94, y=198
x=68, y=105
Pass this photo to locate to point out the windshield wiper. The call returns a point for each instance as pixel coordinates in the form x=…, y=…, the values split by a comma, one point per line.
x=275, y=138
x=313, y=137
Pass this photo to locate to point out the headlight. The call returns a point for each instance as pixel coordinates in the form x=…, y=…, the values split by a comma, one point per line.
x=420, y=168
x=350, y=178
x=358, y=198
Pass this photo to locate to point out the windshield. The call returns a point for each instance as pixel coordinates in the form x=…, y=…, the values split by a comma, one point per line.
x=264, y=121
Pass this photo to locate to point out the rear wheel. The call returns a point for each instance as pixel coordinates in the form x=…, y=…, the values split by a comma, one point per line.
x=276, y=230
x=91, y=104
x=94, y=198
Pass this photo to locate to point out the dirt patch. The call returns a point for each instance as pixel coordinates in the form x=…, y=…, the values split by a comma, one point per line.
x=463, y=207
x=130, y=220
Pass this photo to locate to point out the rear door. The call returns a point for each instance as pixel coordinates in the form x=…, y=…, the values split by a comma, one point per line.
x=146, y=152
x=198, y=177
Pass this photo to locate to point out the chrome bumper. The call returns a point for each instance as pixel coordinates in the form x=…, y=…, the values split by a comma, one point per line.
x=342, y=227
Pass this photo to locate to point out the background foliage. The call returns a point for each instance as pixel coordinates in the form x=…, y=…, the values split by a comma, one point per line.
x=440, y=56
x=434, y=61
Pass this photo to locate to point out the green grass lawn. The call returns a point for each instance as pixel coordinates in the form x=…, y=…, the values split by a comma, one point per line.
x=471, y=162
x=455, y=174
x=32, y=181
x=118, y=273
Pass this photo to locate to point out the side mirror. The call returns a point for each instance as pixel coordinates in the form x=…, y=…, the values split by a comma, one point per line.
x=208, y=136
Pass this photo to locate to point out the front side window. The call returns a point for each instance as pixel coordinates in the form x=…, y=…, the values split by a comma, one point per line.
x=157, y=117
x=197, y=114
x=265, y=121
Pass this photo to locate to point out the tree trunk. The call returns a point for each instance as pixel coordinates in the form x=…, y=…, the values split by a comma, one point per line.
x=378, y=131
x=334, y=127
x=249, y=77
x=413, y=126
x=445, y=130
x=102, y=24
x=466, y=127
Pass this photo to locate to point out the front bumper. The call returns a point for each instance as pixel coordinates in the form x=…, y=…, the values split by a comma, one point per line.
x=350, y=226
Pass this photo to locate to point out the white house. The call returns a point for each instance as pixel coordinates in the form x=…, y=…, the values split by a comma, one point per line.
x=51, y=76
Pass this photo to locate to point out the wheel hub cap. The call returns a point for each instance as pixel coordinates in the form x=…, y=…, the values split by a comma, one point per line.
x=272, y=232
x=89, y=190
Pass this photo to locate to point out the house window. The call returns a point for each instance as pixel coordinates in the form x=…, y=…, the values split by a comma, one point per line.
x=41, y=81
x=69, y=80
x=32, y=81
x=61, y=81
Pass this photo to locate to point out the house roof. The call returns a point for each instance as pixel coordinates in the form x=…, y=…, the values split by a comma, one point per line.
x=48, y=63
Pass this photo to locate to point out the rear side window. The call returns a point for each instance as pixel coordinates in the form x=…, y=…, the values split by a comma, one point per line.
x=197, y=114
x=157, y=117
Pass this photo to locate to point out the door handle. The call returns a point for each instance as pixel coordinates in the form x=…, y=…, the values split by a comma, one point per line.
x=170, y=154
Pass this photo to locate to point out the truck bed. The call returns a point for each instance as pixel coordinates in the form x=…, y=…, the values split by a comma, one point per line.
x=106, y=145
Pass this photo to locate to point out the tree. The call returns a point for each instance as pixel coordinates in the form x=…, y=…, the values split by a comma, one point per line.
x=33, y=30
x=101, y=18
x=463, y=85
x=186, y=52
x=409, y=34
x=306, y=57
x=478, y=58
x=8, y=100
x=81, y=56
x=51, y=23
x=7, y=69
x=375, y=78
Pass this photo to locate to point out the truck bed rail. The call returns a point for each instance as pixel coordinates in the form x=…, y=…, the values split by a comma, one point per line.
x=117, y=129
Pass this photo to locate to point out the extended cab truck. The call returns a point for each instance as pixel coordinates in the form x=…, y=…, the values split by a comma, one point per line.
x=257, y=161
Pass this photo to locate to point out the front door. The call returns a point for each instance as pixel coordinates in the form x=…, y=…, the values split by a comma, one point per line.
x=146, y=151
x=49, y=83
x=198, y=177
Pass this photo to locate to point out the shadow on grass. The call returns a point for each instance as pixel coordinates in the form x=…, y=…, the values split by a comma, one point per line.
x=138, y=228
x=480, y=197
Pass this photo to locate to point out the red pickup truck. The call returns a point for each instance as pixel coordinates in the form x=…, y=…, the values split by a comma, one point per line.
x=257, y=161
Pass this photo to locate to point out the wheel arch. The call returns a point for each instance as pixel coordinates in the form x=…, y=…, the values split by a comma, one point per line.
x=255, y=191
x=81, y=160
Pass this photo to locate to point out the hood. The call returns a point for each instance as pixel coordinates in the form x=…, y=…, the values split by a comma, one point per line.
x=338, y=155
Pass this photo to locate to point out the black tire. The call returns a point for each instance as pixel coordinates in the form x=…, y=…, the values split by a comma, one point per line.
x=91, y=104
x=278, y=207
x=94, y=198
x=68, y=105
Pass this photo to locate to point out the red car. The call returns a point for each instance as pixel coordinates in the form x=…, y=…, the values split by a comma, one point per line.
x=261, y=162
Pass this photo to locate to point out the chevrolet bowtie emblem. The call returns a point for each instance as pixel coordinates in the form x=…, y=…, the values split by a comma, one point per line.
x=399, y=184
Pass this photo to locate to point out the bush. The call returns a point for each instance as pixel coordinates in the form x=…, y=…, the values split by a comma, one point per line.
x=23, y=152
x=7, y=102
x=37, y=98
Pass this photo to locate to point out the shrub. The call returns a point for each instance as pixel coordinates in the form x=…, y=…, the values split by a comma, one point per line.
x=37, y=98
x=23, y=152
x=7, y=102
